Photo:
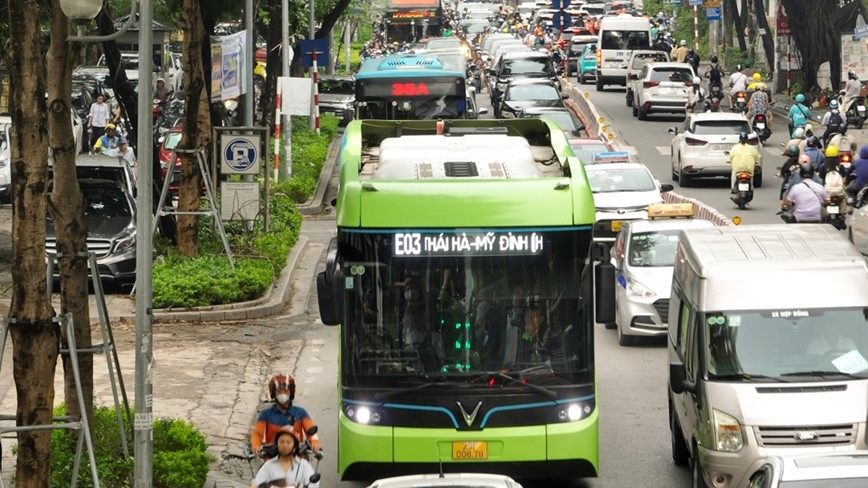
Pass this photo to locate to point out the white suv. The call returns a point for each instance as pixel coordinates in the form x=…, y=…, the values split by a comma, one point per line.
x=662, y=87
x=637, y=60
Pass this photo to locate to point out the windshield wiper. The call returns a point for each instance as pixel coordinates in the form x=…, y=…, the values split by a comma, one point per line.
x=383, y=395
x=748, y=377
x=822, y=374
x=550, y=394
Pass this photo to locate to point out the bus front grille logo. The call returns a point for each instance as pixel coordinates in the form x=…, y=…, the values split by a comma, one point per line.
x=469, y=418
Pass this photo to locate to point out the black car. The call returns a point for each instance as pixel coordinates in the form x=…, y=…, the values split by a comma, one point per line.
x=521, y=95
x=521, y=65
x=110, y=213
x=337, y=96
x=561, y=116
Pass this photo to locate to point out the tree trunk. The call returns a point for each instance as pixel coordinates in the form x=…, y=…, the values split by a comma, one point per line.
x=739, y=26
x=197, y=126
x=816, y=35
x=67, y=212
x=35, y=338
x=274, y=63
x=768, y=42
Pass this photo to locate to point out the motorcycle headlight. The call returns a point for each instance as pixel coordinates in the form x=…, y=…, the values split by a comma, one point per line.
x=125, y=243
x=636, y=289
x=726, y=432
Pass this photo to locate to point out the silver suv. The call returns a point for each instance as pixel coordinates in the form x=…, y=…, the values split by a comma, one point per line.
x=662, y=87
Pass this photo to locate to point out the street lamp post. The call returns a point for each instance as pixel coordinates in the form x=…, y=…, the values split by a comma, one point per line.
x=81, y=12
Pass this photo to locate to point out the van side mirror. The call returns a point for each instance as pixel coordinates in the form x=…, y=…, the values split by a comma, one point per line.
x=678, y=379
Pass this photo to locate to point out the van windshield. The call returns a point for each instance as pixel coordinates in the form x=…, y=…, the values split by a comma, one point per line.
x=791, y=344
x=628, y=39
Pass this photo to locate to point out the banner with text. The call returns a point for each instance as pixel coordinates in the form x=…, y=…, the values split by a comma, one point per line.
x=231, y=67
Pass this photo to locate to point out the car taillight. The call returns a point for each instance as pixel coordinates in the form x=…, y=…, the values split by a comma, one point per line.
x=650, y=84
x=694, y=142
x=688, y=83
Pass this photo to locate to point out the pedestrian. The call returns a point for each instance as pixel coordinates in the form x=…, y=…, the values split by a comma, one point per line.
x=99, y=115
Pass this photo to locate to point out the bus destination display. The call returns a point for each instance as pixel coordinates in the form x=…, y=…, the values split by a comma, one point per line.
x=412, y=244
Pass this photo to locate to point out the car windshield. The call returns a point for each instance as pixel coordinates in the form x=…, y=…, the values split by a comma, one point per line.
x=791, y=344
x=585, y=152
x=720, y=127
x=424, y=305
x=578, y=47
x=653, y=249
x=615, y=180
x=533, y=92
x=625, y=40
x=104, y=199
x=642, y=59
x=675, y=75
x=337, y=87
x=527, y=66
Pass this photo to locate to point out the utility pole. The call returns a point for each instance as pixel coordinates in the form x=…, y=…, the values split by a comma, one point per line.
x=250, y=54
x=311, y=33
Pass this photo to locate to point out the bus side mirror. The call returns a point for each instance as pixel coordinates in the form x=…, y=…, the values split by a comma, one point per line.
x=678, y=379
x=328, y=288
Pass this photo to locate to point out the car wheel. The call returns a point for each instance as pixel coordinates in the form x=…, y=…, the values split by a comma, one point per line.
x=680, y=455
x=643, y=115
x=599, y=85
x=674, y=173
x=698, y=480
x=635, y=110
x=758, y=180
x=683, y=179
x=629, y=98
x=624, y=339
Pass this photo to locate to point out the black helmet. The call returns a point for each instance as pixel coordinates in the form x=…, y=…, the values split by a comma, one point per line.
x=742, y=137
x=690, y=51
x=806, y=171
x=793, y=150
x=738, y=67
x=813, y=142
x=852, y=75
x=713, y=59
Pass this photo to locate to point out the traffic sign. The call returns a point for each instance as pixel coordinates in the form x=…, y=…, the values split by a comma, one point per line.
x=308, y=46
x=783, y=24
x=560, y=4
x=695, y=3
x=562, y=20
x=712, y=3
x=240, y=154
x=712, y=13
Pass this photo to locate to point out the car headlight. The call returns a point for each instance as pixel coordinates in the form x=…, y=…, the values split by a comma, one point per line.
x=636, y=289
x=727, y=432
x=574, y=411
x=364, y=414
x=125, y=243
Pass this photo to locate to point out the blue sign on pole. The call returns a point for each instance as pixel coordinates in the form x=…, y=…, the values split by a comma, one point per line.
x=308, y=46
x=562, y=20
x=560, y=4
x=712, y=13
x=860, y=32
x=695, y=3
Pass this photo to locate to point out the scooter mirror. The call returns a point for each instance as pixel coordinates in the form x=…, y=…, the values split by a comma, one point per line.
x=314, y=478
x=313, y=430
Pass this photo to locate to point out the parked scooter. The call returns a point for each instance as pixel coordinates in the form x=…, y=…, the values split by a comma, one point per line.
x=742, y=193
x=856, y=113
x=761, y=126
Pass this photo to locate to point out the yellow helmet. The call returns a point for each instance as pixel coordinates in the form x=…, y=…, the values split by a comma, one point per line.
x=109, y=126
x=831, y=151
x=757, y=77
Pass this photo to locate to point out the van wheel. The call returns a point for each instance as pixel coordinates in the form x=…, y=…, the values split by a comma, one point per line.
x=698, y=480
x=680, y=455
x=599, y=85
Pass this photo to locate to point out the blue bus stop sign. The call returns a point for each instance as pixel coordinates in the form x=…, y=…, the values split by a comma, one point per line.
x=308, y=46
x=562, y=20
x=560, y=4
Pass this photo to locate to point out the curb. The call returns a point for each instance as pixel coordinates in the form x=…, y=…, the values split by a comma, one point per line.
x=315, y=204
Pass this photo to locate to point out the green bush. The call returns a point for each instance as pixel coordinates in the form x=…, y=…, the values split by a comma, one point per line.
x=180, y=458
x=181, y=282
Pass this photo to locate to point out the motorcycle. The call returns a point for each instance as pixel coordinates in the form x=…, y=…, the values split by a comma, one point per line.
x=740, y=102
x=714, y=104
x=715, y=91
x=474, y=78
x=834, y=214
x=742, y=192
x=156, y=108
x=270, y=450
x=761, y=127
x=856, y=113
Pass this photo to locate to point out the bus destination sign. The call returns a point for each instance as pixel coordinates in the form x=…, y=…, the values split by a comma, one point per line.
x=413, y=244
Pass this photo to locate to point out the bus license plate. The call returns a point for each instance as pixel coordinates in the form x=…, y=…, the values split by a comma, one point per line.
x=833, y=209
x=470, y=451
x=616, y=225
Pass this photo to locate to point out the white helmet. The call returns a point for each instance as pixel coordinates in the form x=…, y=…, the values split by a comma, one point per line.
x=683, y=42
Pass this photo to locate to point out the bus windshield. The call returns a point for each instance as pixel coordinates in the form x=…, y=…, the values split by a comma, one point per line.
x=787, y=345
x=411, y=99
x=423, y=310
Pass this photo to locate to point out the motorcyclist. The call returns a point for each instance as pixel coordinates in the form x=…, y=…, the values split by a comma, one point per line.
x=852, y=89
x=834, y=121
x=737, y=82
x=799, y=113
x=859, y=173
x=281, y=389
x=790, y=165
x=692, y=58
x=833, y=174
x=161, y=92
x=661, y=45
x=288, y=467
x=798, y=140
x=742, y=157
x=759, y=104
x=806, y=198
x=714, y=75
x=680, y=53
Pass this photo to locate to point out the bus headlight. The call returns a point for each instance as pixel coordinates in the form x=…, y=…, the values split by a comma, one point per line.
x=365, y=415
x=573, y=412
x=727, y=432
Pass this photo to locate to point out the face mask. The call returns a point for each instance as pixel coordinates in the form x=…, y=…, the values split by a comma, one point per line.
x=282, y=398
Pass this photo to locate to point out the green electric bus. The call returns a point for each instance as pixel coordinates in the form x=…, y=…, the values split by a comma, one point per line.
x=461, y=277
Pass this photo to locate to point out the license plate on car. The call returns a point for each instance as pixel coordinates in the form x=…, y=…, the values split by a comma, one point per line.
x=468, y=451
x=761, y=125
x=721, y=147
x=743, y=186
x=616, y=225
x=833, y=209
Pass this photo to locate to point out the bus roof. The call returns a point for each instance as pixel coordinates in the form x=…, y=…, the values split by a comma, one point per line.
x=473, y=173
x=409, y=66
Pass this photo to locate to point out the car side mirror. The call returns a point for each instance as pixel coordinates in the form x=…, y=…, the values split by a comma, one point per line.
x=482, y=111
x=673, y=131
x=665, y=187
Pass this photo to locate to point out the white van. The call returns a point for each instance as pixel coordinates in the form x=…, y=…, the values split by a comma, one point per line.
x=619, y=36
x=768, y=338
